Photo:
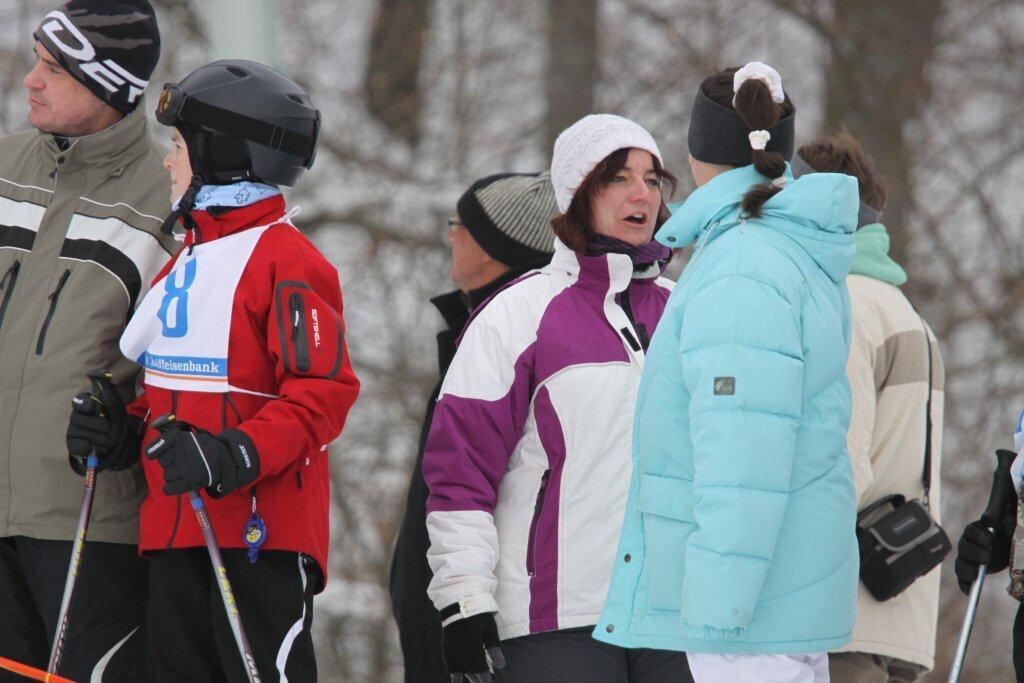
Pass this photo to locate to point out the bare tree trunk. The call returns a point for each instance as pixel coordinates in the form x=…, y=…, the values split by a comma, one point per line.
x=392, y=72
x=876, y=87
x=572, y=63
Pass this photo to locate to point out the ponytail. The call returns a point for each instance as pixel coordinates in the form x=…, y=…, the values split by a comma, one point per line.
x=754, y=104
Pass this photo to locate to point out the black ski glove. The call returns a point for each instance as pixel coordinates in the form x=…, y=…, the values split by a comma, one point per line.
x=99, y=422
x=193, y=459
x=468, y=644
x=980, y=546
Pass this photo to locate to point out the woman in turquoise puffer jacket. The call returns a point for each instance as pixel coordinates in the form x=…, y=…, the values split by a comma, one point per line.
x=738, y=544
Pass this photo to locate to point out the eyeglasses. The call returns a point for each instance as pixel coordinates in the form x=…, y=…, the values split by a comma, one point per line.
x=454, y=224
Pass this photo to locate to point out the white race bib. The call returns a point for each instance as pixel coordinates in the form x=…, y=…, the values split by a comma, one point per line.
x=180, y=331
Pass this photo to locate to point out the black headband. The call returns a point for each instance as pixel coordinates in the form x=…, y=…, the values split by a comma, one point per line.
x=718, y=135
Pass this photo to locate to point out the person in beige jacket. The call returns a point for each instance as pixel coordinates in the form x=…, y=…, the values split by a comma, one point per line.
x=888, y=370
x=82, y=199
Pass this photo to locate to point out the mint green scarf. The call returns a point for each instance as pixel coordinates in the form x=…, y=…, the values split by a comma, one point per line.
x=872, y=259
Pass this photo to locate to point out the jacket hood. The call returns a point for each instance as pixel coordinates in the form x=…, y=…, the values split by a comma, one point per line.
x=872, y=259
x=818, y=211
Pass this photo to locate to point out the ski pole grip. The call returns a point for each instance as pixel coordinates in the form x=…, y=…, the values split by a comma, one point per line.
x=1002, y=489
x=163, y=422
x=99, y=379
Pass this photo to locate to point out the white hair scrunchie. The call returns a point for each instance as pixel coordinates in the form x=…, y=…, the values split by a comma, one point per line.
x=759, y=139
x=761, y=72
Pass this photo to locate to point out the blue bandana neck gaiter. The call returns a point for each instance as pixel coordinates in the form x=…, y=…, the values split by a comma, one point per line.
x=232, y=196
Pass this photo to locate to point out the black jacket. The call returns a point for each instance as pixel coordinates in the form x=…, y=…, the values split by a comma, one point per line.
x=419, y=626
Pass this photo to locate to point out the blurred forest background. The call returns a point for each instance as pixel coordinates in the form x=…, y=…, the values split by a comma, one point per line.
x=421, y=97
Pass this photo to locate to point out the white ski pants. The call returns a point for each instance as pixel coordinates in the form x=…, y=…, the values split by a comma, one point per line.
x=713, y=668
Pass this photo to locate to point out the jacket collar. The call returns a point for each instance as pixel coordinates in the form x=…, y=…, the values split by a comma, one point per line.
x=215, y=224
x=818, y=211
x=605, y=273
x=710, y=205
x=111, y=149
x=455, y=306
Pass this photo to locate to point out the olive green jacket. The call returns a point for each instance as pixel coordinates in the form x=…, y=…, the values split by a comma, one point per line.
x=79, y=244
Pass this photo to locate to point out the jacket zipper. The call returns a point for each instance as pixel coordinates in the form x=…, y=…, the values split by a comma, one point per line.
x=641, y=329
x=299, y=340
x=531, y=540
x=234, y=408
x=177, y=510
x=54, y=295
x=225, y=402
x=8, y=280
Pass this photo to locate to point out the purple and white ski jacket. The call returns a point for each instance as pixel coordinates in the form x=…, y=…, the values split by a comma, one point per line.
x=528, y=457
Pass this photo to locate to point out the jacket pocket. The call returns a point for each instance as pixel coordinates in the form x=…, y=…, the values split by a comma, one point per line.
x=538, y=507
x=300, y=339
x=53, y=297
x=310, y=331
x=666, y=504
x=7, y=282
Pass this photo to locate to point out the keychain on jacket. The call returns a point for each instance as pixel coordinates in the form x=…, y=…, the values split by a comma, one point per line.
x=255, y=534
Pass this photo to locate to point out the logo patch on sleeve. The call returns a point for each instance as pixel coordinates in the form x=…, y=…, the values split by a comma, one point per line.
x=725, y=386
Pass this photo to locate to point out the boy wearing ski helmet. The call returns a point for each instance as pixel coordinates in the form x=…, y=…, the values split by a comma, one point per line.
x=242, y=339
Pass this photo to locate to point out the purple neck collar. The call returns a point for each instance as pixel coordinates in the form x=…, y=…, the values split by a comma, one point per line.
x=642, y=255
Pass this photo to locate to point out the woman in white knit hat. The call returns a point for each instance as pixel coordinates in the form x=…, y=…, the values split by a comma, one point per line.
x=528, y=456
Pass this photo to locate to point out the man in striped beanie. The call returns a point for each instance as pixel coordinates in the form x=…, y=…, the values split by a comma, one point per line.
x=501, y=229
x=82, y=197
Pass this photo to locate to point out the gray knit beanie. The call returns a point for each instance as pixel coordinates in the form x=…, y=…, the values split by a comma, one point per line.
x=509, y=216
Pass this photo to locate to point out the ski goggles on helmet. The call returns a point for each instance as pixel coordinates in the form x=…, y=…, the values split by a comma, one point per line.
x=168, y=107
x=176, y=106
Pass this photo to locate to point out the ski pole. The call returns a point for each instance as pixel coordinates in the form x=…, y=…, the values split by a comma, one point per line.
x=991, y=518
x=220, y=571
x=31, y=672
x=97, y=378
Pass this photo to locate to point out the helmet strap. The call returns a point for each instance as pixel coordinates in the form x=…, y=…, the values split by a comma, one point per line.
x=185, y=204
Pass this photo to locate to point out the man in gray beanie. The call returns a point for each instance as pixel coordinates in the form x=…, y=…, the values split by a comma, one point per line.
x=501, y=229
x=81, y=202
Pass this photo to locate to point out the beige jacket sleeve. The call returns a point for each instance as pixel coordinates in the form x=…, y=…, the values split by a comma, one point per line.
x=860, y=369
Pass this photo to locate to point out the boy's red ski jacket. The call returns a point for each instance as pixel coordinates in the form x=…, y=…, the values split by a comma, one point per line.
x=291, y=387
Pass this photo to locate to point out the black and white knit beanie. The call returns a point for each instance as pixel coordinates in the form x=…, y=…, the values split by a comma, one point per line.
x=509, y=216
x=109, y=46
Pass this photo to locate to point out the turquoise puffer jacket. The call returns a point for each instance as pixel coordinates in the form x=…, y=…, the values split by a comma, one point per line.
x=739, y=530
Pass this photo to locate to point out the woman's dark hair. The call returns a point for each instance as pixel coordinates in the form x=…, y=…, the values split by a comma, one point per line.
x=841, y=153
x=575, y=226
x=759, y=111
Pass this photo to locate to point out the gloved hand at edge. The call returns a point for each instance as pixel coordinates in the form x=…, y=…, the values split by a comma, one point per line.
x=471, y=647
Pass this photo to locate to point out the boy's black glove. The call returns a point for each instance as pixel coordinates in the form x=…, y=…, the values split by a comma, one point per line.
x=99, y=422
x=468, y=644
x=980, y=546
x=193, y=459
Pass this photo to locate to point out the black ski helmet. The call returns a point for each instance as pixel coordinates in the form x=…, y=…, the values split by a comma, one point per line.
x=242, y=120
